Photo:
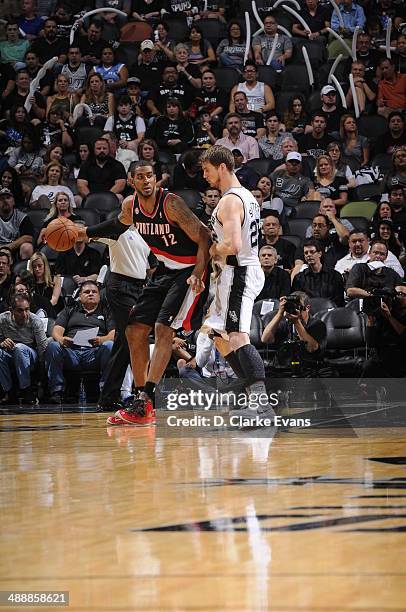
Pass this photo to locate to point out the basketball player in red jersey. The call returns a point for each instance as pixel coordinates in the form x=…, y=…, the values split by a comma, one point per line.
x=174, y=298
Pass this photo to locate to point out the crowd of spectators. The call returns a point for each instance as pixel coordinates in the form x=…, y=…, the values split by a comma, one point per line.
x=84, y=97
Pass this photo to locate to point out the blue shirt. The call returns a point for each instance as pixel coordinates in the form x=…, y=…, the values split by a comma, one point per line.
x=352, y=18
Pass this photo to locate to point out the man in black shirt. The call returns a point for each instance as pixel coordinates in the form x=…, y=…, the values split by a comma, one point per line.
x=277, y=280
x=271, y=229
x=49, y=45
x=147, y=68
x=210, y=199
x=7, y=79
x=365, y=277
x=252, y=122
x=169, y=88
x=213, y=99
x=315, y=144
x=318, y=280
x=81, y=262
x=92, y=44
x=333, y=246
x=20, y=94
x=63, y=352
x=395, y=136
x=102, y=173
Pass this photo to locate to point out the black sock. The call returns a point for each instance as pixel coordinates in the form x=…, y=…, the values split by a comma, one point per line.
x=234, y=362
x=150, y=390
x=138, y=390
x=253, y=369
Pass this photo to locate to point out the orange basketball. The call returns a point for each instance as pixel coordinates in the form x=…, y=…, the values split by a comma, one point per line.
x=61, y=234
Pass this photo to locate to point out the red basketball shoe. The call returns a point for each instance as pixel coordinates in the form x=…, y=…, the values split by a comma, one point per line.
x=141, y=413
x=115, y=420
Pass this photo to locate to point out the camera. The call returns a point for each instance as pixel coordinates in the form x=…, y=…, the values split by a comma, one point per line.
x=293, y=305
x=372, y=304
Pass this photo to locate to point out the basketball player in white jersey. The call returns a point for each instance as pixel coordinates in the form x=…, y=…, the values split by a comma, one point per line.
x=239, y=276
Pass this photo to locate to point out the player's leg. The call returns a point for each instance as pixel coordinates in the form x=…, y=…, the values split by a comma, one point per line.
x=138, y=344
x=164, y=336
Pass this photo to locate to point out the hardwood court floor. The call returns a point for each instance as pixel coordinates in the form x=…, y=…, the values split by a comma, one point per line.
x=125, y=519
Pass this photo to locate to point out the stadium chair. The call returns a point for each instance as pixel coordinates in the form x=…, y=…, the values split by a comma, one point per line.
x=166, y=157
x=88, y=134
x=191, y=197
x=307, y=210
x=368, y=192
x=358, y=209
x=296, y=79
x=127, y=53
x=102, y=201
x=355, y=305
x=296, y=240
x=345, y=347
x=313, y=102
x=177, y=27
x=318, y=304
x=298, y=227
x=359, y=223
x=100, y=247
x=268, y=75
x=260, y=165
x=383, y=161
x=213, y=30
x=282, y=100
x=19, y=267
x=112, y=214
x=89, y=216
x=37, y=218
x=71, y=183
x=316, y=51
x=68, y=289
x=226, y=77
x=136, y=31
x=49, y=253
x=372, y=126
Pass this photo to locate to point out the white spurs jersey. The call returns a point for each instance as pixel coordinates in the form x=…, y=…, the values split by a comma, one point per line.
x=248, y=254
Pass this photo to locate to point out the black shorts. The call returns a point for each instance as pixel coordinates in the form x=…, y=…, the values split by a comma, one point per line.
x=169, y=300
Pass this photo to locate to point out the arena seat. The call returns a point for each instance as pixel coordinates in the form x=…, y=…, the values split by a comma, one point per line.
x=307, y=210
x=296, y=240
x=178, y=28
x=296, y=79
x=213, y=30
x=89, y=215
x=359, y=223
x=368, y=192
x=226, y=77
x=298, y=227
x=359, y=209
x=318, y=303
x=260, y=165
x=192, y=197
x=135, y=31
x=346, y=348
x=102, y=201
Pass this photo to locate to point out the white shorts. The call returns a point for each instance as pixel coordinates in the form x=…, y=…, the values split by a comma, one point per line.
x=235, y=290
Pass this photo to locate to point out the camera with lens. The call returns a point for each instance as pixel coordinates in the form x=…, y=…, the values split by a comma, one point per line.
x=293, y=305
x=373, y=303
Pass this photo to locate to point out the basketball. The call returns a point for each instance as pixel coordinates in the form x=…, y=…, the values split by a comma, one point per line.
x=61, y=234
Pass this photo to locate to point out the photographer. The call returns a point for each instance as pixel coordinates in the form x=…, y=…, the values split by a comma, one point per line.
x=364, y=278
x=386, y=332
x=299, y=337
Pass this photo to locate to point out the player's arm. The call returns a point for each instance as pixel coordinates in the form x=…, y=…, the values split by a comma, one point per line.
x=180, y=214
x=112, y=227
x=230, y=214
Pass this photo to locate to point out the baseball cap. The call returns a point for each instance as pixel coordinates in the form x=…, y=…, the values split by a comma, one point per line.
x=327, y=89
x=135, y=80
x=294, y=155
x=146, y=44
x=5, y=191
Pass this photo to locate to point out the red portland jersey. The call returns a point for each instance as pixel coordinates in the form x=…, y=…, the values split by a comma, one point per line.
x=167, y=241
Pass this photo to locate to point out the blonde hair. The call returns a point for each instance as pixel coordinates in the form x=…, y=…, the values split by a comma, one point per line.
x=53, y=211
x=47, y=272
x=53, y=164
x=328, y=159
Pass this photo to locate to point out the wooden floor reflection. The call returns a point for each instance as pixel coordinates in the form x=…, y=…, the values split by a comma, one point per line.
x=125, y=519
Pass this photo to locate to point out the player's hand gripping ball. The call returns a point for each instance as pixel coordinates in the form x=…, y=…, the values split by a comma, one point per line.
x=61, y=234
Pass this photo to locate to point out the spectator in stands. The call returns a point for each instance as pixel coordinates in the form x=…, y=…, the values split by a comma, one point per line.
x=174, y=132
x=270, y=144
x=169, y=88
x=397, y=203
x=355, y=146
x=7, y=79
x=397, y=175
x=318, y=280
x=327, y=184
x=342, y=227
x=9, y=179
x=391, y=89
x=210, y=199
x=62, y=351
x=16, y=229
x=82, y=155
x=383, y=211
x=400, y=55
x=55, y=153
x=115, y=74
x=333, y=245
x=12, y=129
x=101, y=172
x=63, y=98
x=265, y=184
x=200, y=50
x=189, y=74
x=252, y=122
x=212, y=9
x=164, y=45
x=366, y=91
x=148, y=151
x=126, y=125
x=19, y=95
x=236, y=139
x=56, y=130
x=27, y=159
x=39, y=305
x=188, y=173
x=316, y=143
x=385, y=332
x=384, y=230
x=295, y=117
x=92, y=44
x=99, y=100
x=367, y=55
x=147, y=68
x=277, y=280
x=329, y=109
x=309, y=331
x=44, y=284
x=22, y=345
x=146, y=10
x=43, y=196
x=14, y=48
x=272, y=231
x=206, y=130
x=352, y=15
x=358, y=243
x=394, y=137
x=317, y=18
x=60, y=207
x=260, y=95
x=76, y=71
x=288, y=145
x=5, y=278
x=231, y=50
x=365, y=277
x=343, y=170
x=211, y=98
x=32, y=66
x=28, y=21
x=81, y=262
x=245, y=174
x=291, y=186
x=49, y=46
x=263, y=43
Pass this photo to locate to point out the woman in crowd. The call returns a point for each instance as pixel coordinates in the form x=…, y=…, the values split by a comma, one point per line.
x=188, y=73
x=355, y=146
x=148, y=151
x=265, y=185
x=173, y=131
x=60, y=208
x=62, y=98
x=39, y=305
x=44, y=195
x=9, y=179
x=270, y=144
x=164, y=44
x=384, y=230
x=55, y=153
x=295, y=117
x=44, y=284
x=327, y=184
x=200, y=50
x=12, y=130
x=231, y=50
x=99, y=101
x=27, y=159
x=383, y=211
x=397, y=174
x=342, y=169
x=81, y=156
x=115, y=74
